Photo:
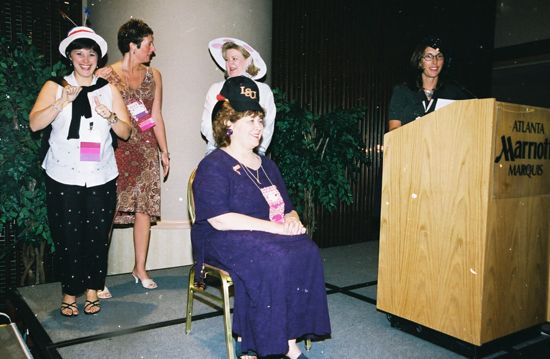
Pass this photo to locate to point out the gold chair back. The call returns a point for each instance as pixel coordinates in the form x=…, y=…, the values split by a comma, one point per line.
x=190, y=197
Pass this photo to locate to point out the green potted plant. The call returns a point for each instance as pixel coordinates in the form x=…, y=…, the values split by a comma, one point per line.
x=23, y=71
x=318, y=155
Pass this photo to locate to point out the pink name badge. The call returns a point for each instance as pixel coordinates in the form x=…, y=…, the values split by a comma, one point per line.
x=140, y=114
x=146, y=123
x=90, y=151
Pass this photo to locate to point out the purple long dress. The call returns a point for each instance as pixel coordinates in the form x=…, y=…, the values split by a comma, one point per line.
x=279, y=281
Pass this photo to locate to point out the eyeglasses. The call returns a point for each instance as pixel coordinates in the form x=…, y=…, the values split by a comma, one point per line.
x=431, y=57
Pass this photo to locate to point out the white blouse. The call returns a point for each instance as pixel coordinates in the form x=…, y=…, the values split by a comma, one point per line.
x=63, y=160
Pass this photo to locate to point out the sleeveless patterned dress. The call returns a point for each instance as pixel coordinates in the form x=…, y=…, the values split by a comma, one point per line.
x=138, y=183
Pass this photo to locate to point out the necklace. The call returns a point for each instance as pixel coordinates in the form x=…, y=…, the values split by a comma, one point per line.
x=257, y=175
x=250, y=172
x=270, y=193
x=255, y=178
x=428, y=93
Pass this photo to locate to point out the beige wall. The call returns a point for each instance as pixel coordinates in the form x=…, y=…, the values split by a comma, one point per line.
x=182, y=31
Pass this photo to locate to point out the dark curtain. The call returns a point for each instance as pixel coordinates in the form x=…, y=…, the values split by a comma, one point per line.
x=340, y=54
x=42, y=20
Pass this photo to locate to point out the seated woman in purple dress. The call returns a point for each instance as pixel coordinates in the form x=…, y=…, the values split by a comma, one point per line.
x=246, y=224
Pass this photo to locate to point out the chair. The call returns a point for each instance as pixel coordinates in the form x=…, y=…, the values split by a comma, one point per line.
x=194, y=290
x=208, y=270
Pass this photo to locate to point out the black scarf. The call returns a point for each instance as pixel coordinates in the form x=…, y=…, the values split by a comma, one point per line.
x=75, y=124
x=81, y=107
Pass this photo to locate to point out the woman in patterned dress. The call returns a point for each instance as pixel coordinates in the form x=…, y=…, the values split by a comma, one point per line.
x=138, y=185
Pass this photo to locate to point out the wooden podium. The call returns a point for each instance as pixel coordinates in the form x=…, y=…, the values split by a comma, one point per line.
x=465, y=212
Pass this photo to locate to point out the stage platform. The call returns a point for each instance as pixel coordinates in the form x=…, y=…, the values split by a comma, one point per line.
x=139, y=323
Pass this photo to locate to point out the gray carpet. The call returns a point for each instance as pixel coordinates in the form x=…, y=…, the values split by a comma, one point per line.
x=139, y=323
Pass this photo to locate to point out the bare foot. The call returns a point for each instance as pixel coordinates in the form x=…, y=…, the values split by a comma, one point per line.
x=293, y=349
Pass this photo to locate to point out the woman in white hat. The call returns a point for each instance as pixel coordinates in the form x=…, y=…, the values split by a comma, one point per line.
x=238, y=58
x=79, y=112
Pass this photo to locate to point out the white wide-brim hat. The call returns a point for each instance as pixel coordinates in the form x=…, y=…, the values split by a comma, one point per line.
x=80, y=32
x=215, y=48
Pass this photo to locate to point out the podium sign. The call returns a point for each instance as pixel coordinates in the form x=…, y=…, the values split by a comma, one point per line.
x=464, y=220
x=522, y=151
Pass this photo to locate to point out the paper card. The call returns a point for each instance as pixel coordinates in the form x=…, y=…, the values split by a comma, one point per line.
x=442, y=102
x=90, y=151
x=140, y=114
x=146, y=123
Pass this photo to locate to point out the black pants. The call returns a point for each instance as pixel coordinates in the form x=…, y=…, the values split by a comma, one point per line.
x=80, y=220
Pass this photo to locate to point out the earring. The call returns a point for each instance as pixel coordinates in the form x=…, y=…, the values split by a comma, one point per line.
x=229, y=132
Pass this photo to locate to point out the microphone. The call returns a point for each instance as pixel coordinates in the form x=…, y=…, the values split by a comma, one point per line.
x=464, y=89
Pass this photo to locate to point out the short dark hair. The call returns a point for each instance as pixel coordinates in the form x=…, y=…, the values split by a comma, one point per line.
x=83, y=43
x=133, y=31
x=228, y=113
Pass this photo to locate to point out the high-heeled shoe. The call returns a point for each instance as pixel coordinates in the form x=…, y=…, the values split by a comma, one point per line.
x=104, y=294
x=145, y=283
x=68, y=309
x=92, y=307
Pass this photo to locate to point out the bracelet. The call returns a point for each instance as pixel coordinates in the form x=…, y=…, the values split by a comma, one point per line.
x=113, y=119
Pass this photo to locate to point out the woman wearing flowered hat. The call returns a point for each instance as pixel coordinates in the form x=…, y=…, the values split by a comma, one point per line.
x=246, y=224
x=238, y=58
x=80, y=110
x=418, y=95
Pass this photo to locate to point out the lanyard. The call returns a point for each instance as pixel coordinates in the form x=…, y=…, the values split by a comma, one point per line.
x=427, y=107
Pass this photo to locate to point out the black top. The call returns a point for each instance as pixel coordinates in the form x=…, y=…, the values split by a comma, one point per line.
x=407, y=105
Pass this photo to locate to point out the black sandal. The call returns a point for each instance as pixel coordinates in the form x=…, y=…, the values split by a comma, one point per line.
x=89, y=305
x=71, y=306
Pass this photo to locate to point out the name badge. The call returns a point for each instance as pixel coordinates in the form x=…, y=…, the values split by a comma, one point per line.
x=140, y=114
x=90, y=151
x=276, y=203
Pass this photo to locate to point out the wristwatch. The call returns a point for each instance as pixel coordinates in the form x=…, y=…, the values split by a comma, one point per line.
x=113, y=118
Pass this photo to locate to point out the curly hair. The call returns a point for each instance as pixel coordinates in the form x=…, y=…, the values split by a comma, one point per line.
x=225, y=114
x=133, y=31
x=251, y=69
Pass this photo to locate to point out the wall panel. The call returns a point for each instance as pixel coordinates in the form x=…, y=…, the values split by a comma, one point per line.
x=41, y=20
x=340, y=54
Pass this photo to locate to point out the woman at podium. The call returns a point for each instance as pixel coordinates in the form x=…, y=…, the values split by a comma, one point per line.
x=418, y=95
